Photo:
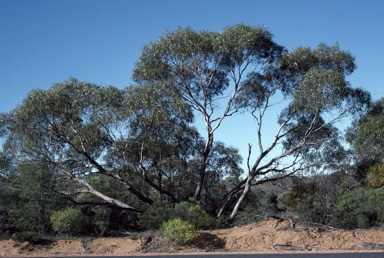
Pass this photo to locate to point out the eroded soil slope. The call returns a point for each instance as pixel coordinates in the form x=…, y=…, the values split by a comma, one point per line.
x=268, y=236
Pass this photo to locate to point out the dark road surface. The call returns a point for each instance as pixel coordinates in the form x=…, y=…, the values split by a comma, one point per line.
x=327, y=255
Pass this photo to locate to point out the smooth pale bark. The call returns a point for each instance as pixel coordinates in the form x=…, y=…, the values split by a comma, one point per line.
x=209, y=69
x=246, y=189
x=103, y=196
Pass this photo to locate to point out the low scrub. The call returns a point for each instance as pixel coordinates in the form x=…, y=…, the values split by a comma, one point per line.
x=178, y=231
x=69, y=221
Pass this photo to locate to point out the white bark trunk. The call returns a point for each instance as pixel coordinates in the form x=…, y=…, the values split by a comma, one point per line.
x=240, y=200
x=104, y=197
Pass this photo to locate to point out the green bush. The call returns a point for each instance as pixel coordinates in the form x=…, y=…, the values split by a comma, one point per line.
x=360, y=208
x=192, y=212
x=155, y=216
x=100, y=220
x=304, y=201
x=29, y=236
x=375, y=177
x=70, y=221
x=189, y=211
x=178, y=231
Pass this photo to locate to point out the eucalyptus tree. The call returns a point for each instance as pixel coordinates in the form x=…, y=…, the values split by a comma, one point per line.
x=243, y=69
x=32, y=197
x=366, y=138
x=82, y=130
x=5, y=196
x=313, y=86
x=26, y=199
x=223, y=166
x=209, y=70
x=366, y=135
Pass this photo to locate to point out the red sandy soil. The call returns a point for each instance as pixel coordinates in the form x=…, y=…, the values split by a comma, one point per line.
x=269, y=236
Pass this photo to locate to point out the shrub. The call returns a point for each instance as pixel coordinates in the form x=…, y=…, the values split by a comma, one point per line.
x=29, y=236
x=100, y=220
x=375, y=177
x=303, y=200
x=178, y=231
x=360, y=208
x=192, y=212
x=70, y=221
x=155, y=216
x=189, y=211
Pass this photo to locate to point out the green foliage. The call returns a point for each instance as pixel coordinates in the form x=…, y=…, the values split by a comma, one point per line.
x=200, y=66
x=367, y=134
x=192, y=212
x=70, y=221
x=302, y=201
x=91, y=128
x=300, y=191
x=100, y=220
x=33, y=200
x=189, y=211
x=375, y=177
x=5, y=165
x=360, y=208
x=178, y=231
x=129, y=147
x=155, y=216
x=29, y=236
x=103, y=184
x=314, y=198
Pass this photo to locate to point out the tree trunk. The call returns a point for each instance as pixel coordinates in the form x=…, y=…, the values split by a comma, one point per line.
x=200, y=183
x=223, y=206
x=229, y=198
x=247, y=187
x=203, y=165
x=106, y=198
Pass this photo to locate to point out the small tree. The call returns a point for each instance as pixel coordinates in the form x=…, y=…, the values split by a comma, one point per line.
x=33, y=197
x=68, y=221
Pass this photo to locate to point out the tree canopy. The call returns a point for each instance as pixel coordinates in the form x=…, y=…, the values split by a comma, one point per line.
x=209, y=71
x=133, y=148
x=244, y=66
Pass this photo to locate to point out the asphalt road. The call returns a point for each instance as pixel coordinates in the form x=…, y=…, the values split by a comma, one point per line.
x=327, y=255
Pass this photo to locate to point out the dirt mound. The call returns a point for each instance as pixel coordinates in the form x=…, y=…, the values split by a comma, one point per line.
x=270, y=235
x=262, y=237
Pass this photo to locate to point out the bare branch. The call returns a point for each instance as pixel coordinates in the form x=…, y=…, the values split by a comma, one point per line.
x=104, y=197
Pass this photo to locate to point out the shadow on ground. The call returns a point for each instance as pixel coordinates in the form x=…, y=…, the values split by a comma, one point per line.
x=208, y=242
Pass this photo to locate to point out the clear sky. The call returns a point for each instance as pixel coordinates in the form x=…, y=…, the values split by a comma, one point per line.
x=47, y=41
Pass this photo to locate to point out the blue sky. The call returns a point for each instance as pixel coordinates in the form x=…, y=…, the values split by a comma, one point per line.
x=47, y=41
